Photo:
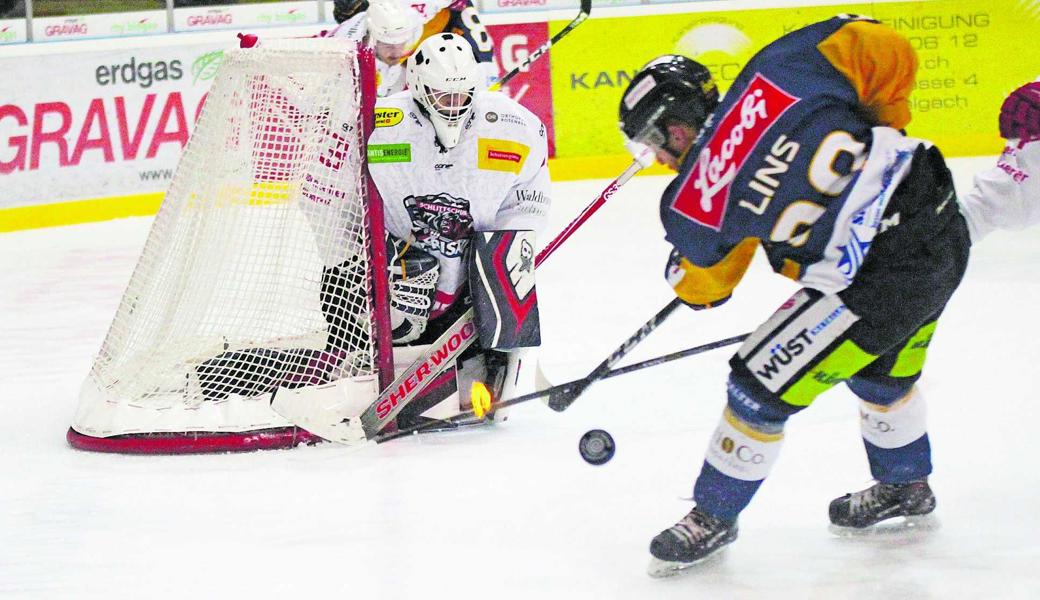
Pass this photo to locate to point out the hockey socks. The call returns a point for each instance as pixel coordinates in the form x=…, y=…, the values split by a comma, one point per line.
x=895, y=438
x=739, y=458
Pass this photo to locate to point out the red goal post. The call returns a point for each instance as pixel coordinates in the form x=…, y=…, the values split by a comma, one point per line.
x=264, y=268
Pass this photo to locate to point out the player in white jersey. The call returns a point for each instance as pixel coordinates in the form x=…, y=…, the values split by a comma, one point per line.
x=1007, y=196
x=394, y=28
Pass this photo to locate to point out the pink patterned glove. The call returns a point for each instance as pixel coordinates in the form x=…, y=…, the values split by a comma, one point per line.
x=1020, y=114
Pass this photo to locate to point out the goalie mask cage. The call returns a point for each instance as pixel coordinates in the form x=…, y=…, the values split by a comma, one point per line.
x=265, y=266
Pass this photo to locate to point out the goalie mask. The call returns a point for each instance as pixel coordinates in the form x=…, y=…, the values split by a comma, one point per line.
x=443, y=77
x=669, y=88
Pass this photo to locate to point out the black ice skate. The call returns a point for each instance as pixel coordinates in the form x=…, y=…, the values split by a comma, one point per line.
x=881, y=502
x=696, y=537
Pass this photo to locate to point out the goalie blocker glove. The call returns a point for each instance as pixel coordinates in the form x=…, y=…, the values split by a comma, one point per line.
x=501, y=280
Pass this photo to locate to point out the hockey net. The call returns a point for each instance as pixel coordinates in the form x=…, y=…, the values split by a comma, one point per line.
x=264, y=268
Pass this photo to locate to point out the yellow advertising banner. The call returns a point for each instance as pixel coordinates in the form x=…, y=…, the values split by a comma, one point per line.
x=972, y=54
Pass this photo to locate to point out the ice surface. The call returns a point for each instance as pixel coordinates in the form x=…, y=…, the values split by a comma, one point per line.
x=513, y=512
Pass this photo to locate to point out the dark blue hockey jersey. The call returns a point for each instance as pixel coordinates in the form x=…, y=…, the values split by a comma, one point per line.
x=801, y=157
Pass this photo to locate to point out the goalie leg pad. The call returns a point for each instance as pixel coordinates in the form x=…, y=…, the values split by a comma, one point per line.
x=501, y=281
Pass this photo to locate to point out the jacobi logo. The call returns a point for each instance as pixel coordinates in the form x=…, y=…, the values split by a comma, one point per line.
x=501, y=155
x=388, y=117
x=7, y=34
x=433, y=365
x=704, y=202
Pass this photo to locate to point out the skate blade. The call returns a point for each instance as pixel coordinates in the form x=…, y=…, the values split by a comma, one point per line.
x=892, y=527
x=663, y=569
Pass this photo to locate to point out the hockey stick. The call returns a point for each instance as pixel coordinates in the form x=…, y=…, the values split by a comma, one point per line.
x=561, y=398
x=583, y=13
x=451, y=344
x=467, y=416
x=442, y=354
x=637, y=165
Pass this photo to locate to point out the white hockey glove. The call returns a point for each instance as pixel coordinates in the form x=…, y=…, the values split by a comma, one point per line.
x=413, y=281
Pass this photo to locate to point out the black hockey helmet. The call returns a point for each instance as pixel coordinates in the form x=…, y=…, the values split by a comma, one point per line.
x=668, y=88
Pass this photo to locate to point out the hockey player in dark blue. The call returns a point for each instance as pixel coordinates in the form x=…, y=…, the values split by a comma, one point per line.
x=806, y=157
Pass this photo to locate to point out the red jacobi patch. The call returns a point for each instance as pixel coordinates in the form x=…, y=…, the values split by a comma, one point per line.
x=703, y=195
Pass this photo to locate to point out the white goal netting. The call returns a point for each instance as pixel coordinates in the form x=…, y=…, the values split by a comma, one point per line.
x=257, y=272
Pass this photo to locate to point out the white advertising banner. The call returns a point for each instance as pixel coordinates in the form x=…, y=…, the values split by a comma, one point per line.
x=148, y=22
x=13, y=31
x=245, y=15
x=99, y=124
x=501, y=6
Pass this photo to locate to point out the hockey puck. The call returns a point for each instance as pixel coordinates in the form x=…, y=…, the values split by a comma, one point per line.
x=596, y=447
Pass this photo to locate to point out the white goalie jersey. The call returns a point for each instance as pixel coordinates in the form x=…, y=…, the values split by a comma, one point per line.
x=495, y=179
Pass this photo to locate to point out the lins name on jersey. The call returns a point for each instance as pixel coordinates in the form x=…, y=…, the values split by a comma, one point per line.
x=496, y=178
x=806, y=167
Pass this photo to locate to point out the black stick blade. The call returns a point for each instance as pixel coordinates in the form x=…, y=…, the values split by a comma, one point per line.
x=561, y=399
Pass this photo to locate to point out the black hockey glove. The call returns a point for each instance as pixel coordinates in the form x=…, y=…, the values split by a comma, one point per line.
x=343, y=10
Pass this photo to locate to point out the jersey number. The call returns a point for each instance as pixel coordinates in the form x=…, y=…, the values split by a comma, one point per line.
x=476, y=29
x=794, y=225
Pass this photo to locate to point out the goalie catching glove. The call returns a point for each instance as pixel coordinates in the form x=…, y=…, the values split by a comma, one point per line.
x=413, y=280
